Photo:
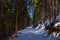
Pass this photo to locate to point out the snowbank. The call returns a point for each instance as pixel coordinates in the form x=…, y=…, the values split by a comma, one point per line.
x=33, y=34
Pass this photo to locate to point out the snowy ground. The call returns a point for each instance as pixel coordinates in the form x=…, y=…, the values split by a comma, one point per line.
x=34, y=34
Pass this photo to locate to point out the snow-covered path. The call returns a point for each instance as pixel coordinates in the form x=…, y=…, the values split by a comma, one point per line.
x=33, y=34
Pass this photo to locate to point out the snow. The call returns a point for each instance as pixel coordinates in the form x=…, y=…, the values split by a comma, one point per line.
x=36, y=34
x=39, y=33
x=58, y=17
x=38, y=26
x=47, y=22
x=57, y=24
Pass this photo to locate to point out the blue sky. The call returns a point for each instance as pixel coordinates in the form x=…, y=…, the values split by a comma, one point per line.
x=30, y=9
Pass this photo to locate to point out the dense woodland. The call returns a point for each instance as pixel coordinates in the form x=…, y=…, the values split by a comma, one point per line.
x=14, y=14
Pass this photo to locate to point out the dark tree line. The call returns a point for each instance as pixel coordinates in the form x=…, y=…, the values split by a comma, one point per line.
x=14, y=14
x=45, y=9
x=13, y=17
